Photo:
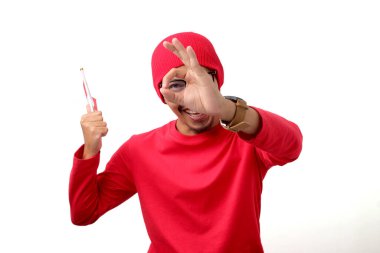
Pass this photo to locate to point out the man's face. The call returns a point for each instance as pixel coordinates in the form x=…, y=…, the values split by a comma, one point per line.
x=190, y=122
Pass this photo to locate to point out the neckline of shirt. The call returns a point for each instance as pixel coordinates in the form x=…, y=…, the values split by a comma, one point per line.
x=192, y=139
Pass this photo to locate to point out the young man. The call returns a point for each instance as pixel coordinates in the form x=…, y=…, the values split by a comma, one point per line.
x=198, y=178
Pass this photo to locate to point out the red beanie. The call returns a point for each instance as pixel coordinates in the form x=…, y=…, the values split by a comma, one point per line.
x=164, y=60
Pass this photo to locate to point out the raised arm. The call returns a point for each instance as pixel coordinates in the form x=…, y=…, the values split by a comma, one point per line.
x=92, y=194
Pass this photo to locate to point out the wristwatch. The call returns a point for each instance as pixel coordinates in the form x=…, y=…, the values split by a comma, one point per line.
x=237, y=123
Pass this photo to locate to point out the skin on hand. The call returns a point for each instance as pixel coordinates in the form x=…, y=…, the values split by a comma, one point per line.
x=200, y=105
x=201, y=94
x=93, y=128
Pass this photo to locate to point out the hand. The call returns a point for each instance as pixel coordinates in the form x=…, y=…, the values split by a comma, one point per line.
x=201, y=93
x=93, y=128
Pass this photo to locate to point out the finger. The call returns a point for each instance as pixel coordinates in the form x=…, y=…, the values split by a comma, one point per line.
x=171, y=48
x=95, y=119
x=92, y=115
x=89, y=119
x=100, y=124
x=177, y=51
x=181, y=51
x=194, y=64
x=95, y=131
x=95, y=124
x=193, y=60
x=101, y=131
x=172, y=97
x=104, y=132
x=88, y=108
x=173, y=73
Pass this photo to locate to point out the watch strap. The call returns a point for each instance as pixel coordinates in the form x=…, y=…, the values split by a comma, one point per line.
x=237, y=123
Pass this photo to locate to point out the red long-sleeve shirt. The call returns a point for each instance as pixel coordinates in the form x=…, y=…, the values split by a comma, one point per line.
x=197, y=193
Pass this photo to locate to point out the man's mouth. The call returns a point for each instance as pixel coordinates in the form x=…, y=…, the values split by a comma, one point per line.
x=196, y=116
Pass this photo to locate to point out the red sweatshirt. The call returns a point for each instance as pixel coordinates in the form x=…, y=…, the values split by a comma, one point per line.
x=197, y=193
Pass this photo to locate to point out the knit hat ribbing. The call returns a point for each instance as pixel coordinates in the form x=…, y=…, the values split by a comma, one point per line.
x=163, y=60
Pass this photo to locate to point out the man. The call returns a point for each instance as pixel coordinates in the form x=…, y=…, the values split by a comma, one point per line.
x=198, y=178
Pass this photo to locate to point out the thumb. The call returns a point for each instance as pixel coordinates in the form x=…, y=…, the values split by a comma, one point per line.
x=88, y=107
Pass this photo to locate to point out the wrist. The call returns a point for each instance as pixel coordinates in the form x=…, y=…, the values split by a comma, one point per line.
x=88, y=153
x=238, y=121
x=228, y=110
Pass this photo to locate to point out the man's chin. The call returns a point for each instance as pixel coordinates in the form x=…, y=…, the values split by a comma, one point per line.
x=200, y=126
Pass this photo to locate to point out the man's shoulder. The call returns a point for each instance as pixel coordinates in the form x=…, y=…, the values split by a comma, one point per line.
x=145, y=140
x=151, y=134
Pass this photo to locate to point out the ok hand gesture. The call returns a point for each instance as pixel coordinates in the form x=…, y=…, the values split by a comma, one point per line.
x=201, y=93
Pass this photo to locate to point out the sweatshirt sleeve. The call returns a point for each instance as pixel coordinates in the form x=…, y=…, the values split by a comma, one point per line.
x=91, y=194
x=279, y=141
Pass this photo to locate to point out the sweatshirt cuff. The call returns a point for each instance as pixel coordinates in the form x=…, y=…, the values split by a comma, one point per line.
x=262, y=132
x=79, y=154
x=79, y=163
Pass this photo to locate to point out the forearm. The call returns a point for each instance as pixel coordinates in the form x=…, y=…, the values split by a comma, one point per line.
x=91, y=194
x=280, y=138
x=83, y=189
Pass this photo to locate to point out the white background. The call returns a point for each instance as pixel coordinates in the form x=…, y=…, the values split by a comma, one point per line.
x=314, y=62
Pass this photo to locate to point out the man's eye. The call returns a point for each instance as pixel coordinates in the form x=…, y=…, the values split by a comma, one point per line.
x=177, y=85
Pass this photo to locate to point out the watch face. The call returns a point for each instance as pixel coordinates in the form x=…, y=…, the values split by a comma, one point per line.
x=232, y=98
